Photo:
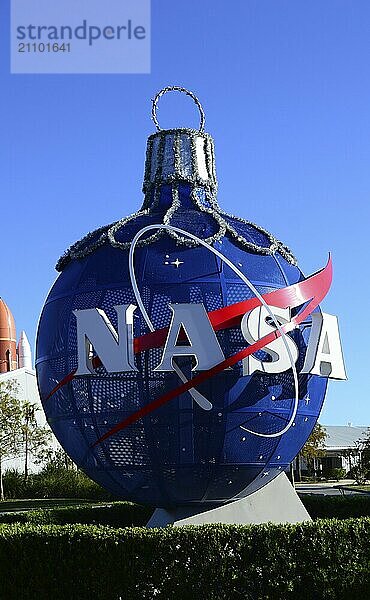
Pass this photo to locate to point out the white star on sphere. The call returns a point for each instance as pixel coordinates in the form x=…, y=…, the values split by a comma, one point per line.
x=176, y=263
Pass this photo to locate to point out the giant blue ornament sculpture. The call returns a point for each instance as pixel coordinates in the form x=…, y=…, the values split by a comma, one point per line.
x=115, y=425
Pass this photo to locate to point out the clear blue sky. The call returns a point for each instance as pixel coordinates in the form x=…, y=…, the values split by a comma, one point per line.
x=286, y=89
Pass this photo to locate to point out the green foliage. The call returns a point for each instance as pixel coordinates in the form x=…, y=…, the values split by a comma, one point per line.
x=36, y=438
x=360, y=472
x=116, y=514
x=337, y=473
x=311, y=451
x=10, y=425
x=63, y=483
x=338, y=507
x=57, y=459
x=20, y=434
x=53, y=482
x=326, y=560
x=14, y=484
x=313, y=448
x=123, y=514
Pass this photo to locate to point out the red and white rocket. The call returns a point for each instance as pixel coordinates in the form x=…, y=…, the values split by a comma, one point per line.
x=11, y=357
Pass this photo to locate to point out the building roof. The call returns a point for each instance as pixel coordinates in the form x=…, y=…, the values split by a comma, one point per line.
x=340, y=437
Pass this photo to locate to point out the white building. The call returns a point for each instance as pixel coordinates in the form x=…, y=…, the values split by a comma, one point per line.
x=342, y=446
x=16, y=365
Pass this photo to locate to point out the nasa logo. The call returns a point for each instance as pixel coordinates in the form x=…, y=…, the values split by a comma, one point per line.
x=191, y=323
x=192, y=334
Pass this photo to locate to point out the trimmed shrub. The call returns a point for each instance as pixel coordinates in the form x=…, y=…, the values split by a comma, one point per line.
x=126, y=514
x=326, y=560
x=337, y=473
x=338, y=507
x=117, y=514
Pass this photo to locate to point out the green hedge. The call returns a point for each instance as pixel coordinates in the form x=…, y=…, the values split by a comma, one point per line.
x=323, y=560
x=126, y=514
x=338, y=507
x=117, y=514
x=53, y=482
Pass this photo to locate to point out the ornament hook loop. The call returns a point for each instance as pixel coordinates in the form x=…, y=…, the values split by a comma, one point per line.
x=176, y=88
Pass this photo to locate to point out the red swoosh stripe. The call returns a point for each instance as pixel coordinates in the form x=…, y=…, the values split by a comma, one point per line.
x=311, y=290
x=222, y=318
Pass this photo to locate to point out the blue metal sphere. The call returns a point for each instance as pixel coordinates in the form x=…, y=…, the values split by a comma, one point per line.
x=178, y=454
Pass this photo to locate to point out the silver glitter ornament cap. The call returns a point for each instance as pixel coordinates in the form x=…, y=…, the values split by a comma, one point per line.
x=176, y=157
x=181, y=154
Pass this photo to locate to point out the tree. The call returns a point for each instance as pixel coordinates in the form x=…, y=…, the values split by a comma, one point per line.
x=20, y=434
x=313, y=448
x=36, y=438
x=361, y=470
x=55, y=459
x=10, y=425
x=354, y=459
x=365, y=453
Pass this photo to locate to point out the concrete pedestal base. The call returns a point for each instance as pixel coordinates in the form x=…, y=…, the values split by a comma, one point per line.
x=276, y=502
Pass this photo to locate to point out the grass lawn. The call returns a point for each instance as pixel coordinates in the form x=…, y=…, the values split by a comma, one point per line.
x=359, y=488
x=32, y=504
